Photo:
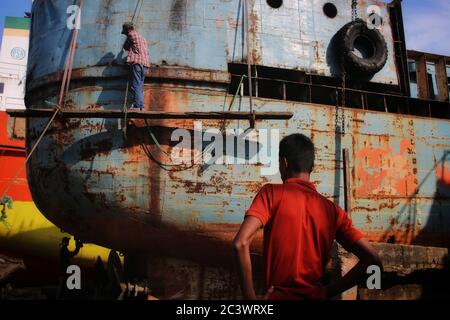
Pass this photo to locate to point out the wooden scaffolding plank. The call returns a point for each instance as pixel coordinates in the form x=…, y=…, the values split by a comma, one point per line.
x=117, y=114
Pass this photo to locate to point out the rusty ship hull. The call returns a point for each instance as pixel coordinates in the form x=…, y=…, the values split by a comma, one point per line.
x=119, y=190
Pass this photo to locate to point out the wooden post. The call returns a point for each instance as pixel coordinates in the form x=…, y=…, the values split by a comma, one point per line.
x=249, y=53
x=422, y=78
x=442, y=82
x=346, y=261
x=347, y=186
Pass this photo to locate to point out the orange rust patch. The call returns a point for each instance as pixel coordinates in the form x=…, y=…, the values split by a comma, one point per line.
x=161, y=100
x=443, y=173
x=381, y=171
x=405, y=146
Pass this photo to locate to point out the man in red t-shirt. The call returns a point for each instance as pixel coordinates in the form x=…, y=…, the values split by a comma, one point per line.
x=300, y=226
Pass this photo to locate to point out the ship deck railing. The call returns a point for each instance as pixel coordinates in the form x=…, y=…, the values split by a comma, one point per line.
x=282, y=89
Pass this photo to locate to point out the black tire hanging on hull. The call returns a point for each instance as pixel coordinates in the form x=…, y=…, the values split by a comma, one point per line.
x=369, y=42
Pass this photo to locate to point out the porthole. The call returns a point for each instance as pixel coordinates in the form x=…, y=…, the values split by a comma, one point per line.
x=275, y=3
x=330, y=10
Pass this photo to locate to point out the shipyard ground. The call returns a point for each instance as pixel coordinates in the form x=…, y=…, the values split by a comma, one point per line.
x=410, y=273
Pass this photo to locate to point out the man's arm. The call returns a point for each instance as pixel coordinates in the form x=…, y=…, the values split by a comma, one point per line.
x=367, y=256
x=127, y=45
x=241, y=245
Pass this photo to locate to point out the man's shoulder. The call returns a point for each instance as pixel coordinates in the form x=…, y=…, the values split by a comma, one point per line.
x=327, y=202
x=134, y=34
x=330, y=206
x=271, y=190
x=278, y=188
x=271, y=187
x=315, y=195
x=138, y=35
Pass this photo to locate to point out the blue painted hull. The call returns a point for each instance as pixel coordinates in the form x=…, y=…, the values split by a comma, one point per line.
x=92, y=181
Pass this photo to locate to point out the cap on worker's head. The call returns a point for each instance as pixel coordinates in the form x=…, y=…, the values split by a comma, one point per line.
x=128, y=26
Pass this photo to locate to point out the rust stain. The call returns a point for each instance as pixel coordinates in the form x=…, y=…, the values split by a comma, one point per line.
x=161, y=100
x=364, y=209
x=381, y=171
x=389, y=205
x=443, y=173
x=254, y=31
x=177, y=14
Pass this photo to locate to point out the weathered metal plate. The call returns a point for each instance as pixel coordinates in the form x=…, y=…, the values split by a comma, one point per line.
x=201, y=34
x=123, y=191
x=399, y=165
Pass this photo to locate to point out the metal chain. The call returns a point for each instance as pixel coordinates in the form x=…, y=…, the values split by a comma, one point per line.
x=344, y=78
x=354, y=10
x=340, y=119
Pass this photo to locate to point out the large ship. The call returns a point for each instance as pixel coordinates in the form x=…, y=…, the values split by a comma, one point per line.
x=24, y=232
x=245, y=72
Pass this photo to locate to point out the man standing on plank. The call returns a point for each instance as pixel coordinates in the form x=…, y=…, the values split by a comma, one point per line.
x=137, y=48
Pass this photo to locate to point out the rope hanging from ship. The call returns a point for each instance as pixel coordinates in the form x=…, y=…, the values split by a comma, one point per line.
x=164, y=166
x=65, y=86
x=137, y=13
x=47, y=127
x=249, y=62
x=183, y=167
x=69, y=64
x=64, y=89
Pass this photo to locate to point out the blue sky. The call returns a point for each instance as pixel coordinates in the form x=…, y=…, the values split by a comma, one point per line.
x=427, y=22
x=427, y=25
x=13, y=8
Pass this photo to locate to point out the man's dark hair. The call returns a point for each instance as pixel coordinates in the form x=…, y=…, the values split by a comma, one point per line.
x=298, y=149
x=128, y=26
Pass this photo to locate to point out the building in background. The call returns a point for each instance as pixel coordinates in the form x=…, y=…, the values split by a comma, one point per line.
x=13, y=62
x=24, y=232
x=429, y=76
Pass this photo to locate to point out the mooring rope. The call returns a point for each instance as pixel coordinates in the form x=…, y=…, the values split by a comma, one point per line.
x=249, y=62
x=64, y=89
x=57, y=110
x=207, y=149
x=69, y=62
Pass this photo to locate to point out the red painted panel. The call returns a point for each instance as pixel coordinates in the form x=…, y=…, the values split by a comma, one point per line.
x=12, y=157
x=5, y=140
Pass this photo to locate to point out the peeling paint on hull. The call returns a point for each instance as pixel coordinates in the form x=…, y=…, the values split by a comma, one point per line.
x=91, y=181
x=106, y=184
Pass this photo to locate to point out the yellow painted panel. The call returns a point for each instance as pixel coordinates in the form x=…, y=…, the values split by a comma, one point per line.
x=27, y=232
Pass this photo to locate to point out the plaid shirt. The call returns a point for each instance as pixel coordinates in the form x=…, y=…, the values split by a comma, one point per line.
x=138, y=49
